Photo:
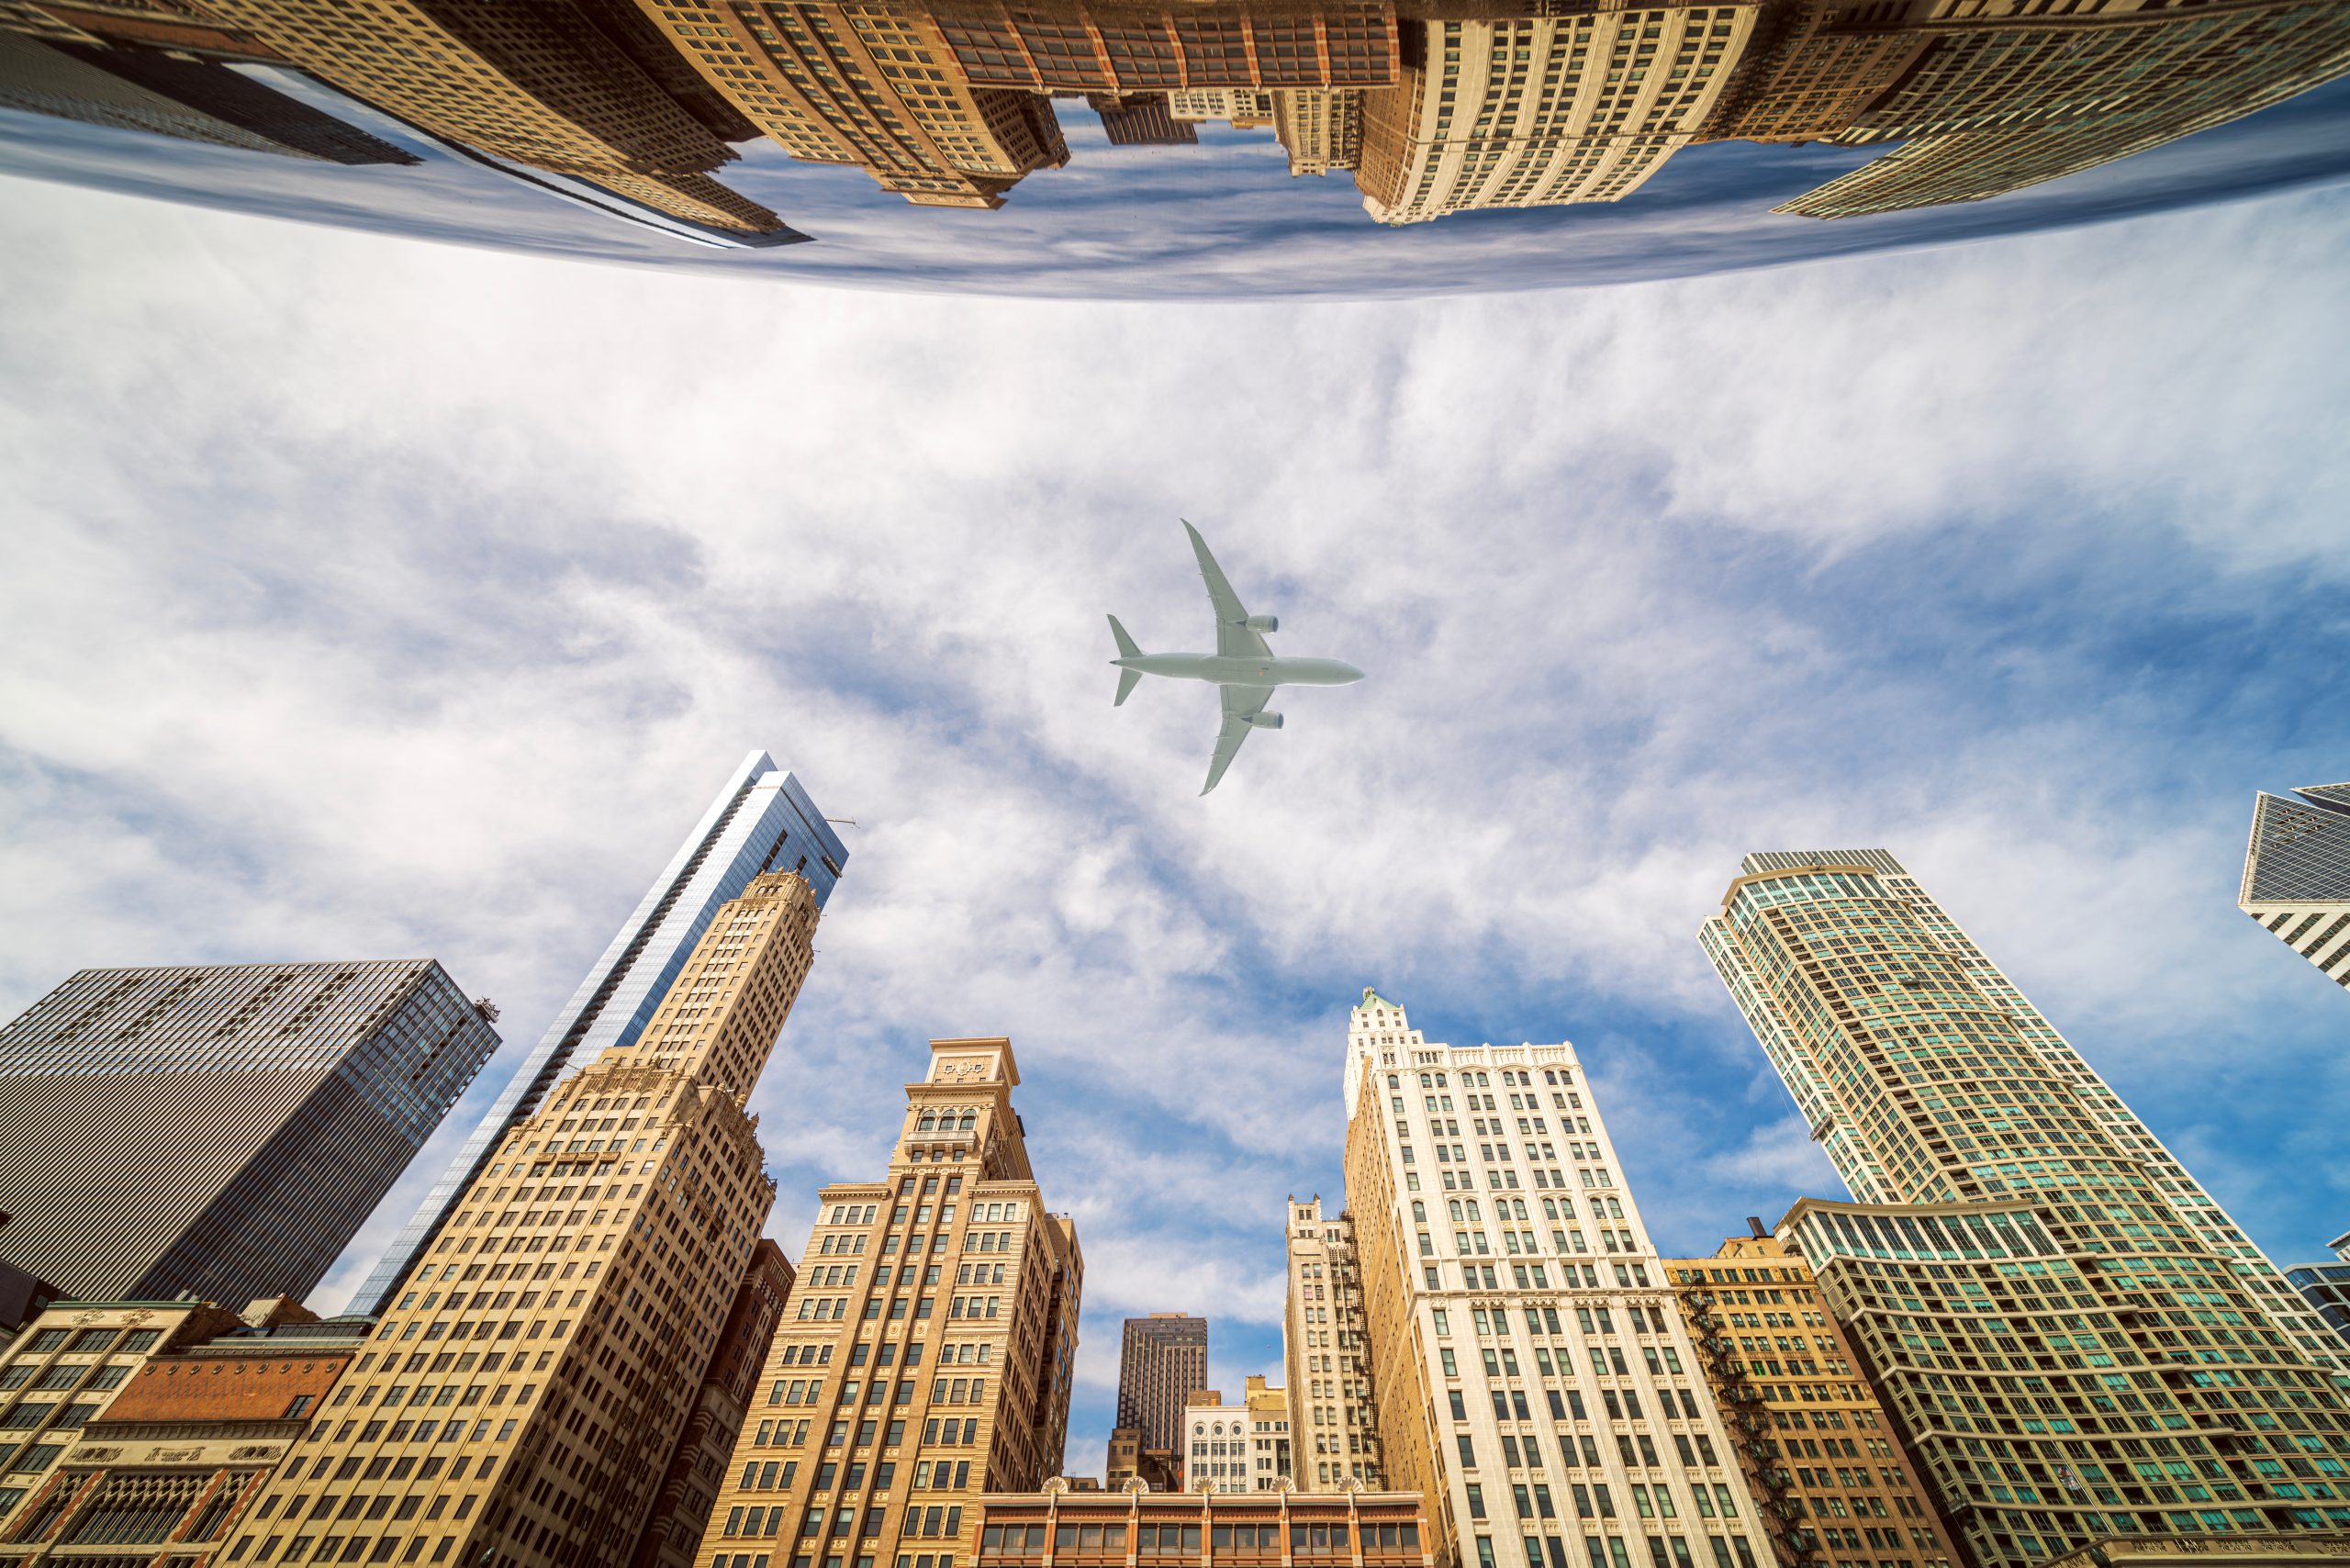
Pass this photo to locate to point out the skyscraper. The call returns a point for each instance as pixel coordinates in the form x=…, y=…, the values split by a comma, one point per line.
x=1610, y=96
x=698, y=1463
x=1998, y=98
x=927, y=1357
x=2296, y=875
x=221, y=1129
x=149, y=90
x=1161, y=1359
x=540, y=1360
x=1333, y=1418
x=534, y=84
x=1854, y=1158
x=762, y=820
x=2072, y=1336
x=1535, y=1383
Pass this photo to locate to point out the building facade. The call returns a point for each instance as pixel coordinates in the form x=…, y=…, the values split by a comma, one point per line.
x=2002, y=94
x=149, y=90
x=2296, y=875
x=1544, y=109
x=1161, y=1359
x=1159, y=1470
x=761, y=821
x=927, y=1357
x=870, y=83
x=1242, y=1447
x=1836, y=1487
x=1857, y=1158
x=1063, y=1527
x=526, y=1388
x=531, y=83
x=697, y=1464
x=221, y=1129
x=2068, y=1352
x=1332, y=1412
x=62, y=1373
x=193, y=1434
x=1535, y=1385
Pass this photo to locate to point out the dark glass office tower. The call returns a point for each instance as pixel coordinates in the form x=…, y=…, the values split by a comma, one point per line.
x=761, y=821
x=221, y=1129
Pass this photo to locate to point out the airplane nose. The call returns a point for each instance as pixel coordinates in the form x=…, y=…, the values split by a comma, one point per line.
x=1353, y=674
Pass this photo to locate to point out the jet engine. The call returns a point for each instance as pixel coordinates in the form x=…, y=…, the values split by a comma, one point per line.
x=1266, y=721
x=1264, y=623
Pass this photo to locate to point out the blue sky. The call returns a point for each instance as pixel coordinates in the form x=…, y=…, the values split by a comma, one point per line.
x=367, y=598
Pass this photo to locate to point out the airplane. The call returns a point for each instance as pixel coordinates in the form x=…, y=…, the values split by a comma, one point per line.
x=1242, y=664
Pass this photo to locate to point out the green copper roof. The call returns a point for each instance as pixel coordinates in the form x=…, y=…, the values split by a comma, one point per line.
x=1372, y=999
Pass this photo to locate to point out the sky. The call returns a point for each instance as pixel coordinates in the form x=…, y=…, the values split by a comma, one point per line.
x=368, y=598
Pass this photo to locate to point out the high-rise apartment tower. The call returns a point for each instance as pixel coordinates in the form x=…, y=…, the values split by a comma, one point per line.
x=1333, y=1419
x=2075, y=1339
x=762, y=820
x=221, y=1129
x=525, y=1390
x=1163, y=1358
x=2296, y=875
x=1536, y=1384
x=1858, y=1160
x=927, y=1357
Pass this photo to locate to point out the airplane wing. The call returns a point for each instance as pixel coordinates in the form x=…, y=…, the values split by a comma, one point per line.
x=1234, y=640
x=1241, y=704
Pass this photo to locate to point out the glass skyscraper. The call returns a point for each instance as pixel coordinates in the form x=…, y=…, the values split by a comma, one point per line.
x=763, y=820
x=221, y=1130
x=2296, y=875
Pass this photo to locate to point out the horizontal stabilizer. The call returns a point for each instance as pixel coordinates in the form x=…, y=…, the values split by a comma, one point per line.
x=1128, y=680
x=1126, y=649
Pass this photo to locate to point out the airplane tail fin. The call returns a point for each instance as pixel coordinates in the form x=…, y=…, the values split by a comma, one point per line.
x=1127, y=678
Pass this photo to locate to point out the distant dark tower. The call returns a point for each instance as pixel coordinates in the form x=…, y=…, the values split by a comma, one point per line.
x=221, y=1129
x=1141, y=119
x=1165, y=1356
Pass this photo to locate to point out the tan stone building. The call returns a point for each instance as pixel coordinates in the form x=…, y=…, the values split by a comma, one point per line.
x=927, y=1357
x=1064, y=1527
x=1319, y=127
x=1334, y=1417
x=190, y=1439
x=1237, y=1448
x=1545, y=109
x=1159, y=1470
x=1837, y=1488
x=870, y=83
x=523, y=1394
x=697, y=1465
x=1536, y=1384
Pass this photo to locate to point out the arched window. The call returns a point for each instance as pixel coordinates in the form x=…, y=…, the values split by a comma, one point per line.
x=929, y=1120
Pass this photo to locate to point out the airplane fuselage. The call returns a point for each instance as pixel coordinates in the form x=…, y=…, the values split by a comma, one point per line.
x=1223, y=671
